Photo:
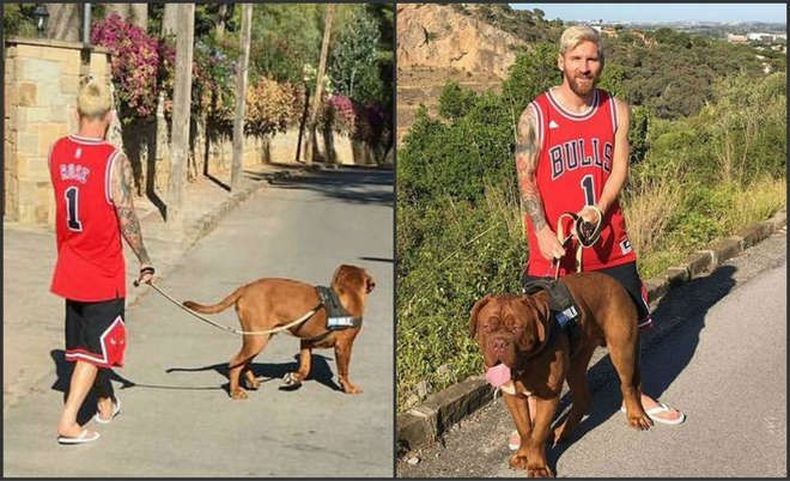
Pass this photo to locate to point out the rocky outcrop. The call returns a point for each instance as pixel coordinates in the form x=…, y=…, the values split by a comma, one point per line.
x=439, y=37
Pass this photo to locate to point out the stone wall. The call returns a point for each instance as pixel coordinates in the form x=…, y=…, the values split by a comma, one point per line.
x=41, y=82
x=42, y=78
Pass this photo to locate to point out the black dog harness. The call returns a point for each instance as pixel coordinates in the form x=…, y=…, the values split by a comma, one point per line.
x=337, y=317
x=564, y=311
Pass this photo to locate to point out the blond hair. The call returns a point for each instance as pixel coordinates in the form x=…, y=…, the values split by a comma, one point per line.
x=576, y=34
x=94, y=99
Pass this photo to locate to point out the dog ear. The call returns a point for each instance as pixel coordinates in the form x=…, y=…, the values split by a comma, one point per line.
x=539, y=303
x=473, y=316
x=370, y=283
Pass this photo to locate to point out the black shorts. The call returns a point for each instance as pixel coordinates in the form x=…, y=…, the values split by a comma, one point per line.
x=628, y=277
x=96, y=332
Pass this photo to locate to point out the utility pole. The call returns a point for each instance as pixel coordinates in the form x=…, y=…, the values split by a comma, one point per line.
x=319, y=84
x=182, y=99
x=241, y=94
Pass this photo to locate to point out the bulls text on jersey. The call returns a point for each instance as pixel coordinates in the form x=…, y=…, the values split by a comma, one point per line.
x=570, y=156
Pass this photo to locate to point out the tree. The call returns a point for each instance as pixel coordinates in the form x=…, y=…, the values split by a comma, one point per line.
x=169, y=19
x=241, y=89
x=182, y=98
x=309, y=148
x=134, y=13
x=65, y=21
x=353, y=64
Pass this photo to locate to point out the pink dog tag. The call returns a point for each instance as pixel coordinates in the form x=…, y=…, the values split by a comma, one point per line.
x=498, y=375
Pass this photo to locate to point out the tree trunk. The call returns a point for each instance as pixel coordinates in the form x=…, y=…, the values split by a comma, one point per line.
x=241, y=91
x=182, y=98
x=319, y=85
x=65, y=21
x=223, y=12
x=169, y=19
x=134, y=13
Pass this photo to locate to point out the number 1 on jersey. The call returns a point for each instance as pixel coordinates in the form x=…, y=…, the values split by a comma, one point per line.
x=589, y=190
x=72, y=209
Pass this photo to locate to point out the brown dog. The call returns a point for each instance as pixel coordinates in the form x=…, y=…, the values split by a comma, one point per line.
x=268, y=303
x=517, y=331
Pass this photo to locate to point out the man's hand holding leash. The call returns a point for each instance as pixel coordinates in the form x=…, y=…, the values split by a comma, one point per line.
x=147, y=272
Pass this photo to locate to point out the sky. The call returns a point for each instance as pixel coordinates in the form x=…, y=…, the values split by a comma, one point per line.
x=662, y=12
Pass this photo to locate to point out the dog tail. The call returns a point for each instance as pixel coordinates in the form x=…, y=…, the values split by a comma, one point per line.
x=214, y=308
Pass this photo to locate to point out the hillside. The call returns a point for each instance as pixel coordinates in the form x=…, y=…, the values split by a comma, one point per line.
x=438, y=43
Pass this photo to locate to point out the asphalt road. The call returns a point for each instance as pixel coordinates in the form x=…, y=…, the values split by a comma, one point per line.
x=719, y=353
x=177, y=418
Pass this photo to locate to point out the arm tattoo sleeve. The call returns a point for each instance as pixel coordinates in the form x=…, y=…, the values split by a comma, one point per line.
x=124, y=206
x=526, y=162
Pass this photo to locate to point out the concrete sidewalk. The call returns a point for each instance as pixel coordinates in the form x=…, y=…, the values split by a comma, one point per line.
x=29, y=256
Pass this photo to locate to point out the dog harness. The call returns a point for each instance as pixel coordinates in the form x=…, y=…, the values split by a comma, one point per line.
x=562, y=306
x=337, y=317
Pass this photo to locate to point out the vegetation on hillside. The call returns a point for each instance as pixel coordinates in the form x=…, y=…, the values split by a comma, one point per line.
x=708, y=158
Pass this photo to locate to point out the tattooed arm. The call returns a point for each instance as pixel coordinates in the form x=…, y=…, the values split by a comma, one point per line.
x=527, y=153
x=122, y=197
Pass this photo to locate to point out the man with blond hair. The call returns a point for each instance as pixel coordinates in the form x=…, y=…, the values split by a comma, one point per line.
x=92, y=182
x=572, y=156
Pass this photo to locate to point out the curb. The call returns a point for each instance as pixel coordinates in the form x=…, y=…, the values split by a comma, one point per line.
x=424, y=424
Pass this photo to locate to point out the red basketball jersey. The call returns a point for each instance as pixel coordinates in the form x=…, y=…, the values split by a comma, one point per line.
x=575, y=161
x=90, y=265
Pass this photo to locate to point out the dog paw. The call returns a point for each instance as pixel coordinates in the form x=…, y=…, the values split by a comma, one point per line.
x=252, y=384
x=238, y=394
x=642, y=423
x=349, y=388
x=539, y=472
x=291, y=380
x=518, y=461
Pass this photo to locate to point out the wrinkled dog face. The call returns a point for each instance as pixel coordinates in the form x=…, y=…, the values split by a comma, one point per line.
x=506, y=325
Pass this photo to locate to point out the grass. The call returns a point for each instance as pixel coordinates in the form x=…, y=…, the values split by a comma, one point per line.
x=481, y=249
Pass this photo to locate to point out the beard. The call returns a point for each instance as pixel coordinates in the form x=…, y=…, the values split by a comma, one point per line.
x=581, y=85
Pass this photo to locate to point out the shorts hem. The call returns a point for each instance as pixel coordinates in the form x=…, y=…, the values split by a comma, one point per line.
x=74, y=355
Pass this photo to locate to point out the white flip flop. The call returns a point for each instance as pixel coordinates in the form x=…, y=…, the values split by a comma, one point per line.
x=510, y=444
x=83, y=438
x=661, y=408
x=116, y=410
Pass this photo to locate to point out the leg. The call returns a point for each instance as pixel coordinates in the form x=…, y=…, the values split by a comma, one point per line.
x=81, y=382
x=537, y=466
x=580, y=394
x=519, y=410
x=104, y=393
x=624, y=353
x=305, y=361
x=343, y=359
x=251, y=382
x=251, y=347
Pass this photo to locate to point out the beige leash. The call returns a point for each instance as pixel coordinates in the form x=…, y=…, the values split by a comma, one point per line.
x=227, y=328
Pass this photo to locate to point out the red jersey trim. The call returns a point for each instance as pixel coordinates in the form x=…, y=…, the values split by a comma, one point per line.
x=539, y=118
x=591, y=110
x=108, y=176
x=81, y=139
x=613, y=109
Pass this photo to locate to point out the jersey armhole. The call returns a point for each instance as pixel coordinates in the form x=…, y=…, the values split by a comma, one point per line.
x=613, y=109
x=108, y=176
x=539, y=118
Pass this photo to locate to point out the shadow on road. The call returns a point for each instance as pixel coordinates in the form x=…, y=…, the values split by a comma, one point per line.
x=376, y=259
x=681, y=315
x=354, y=185
x=319, y=371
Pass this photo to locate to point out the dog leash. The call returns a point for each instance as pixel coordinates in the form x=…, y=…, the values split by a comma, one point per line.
x=228, y=328
x=579, y=232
